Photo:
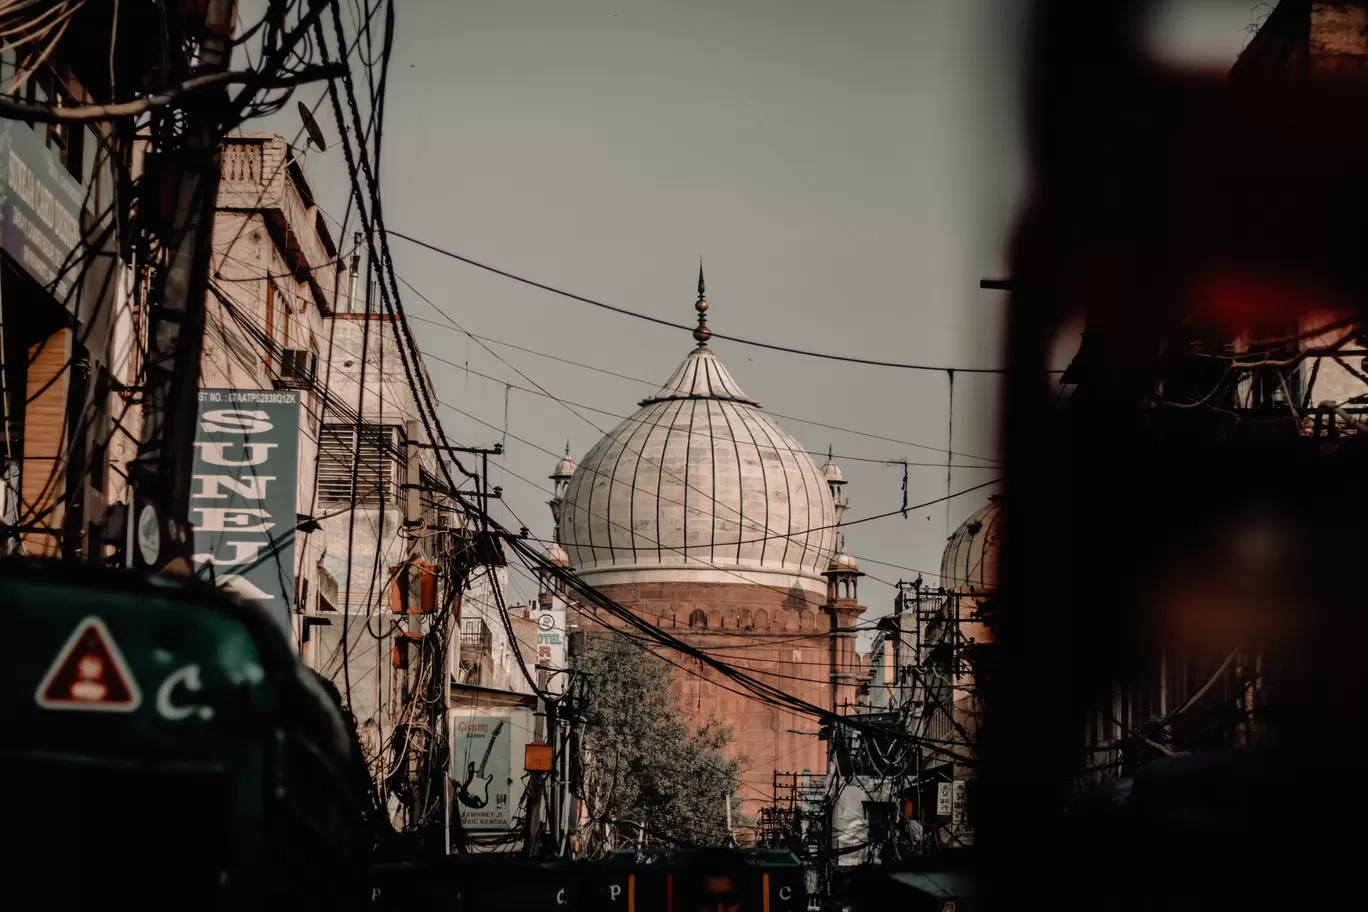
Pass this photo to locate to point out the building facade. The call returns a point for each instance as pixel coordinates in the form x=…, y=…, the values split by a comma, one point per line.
x=67, y=330
x=275, y=277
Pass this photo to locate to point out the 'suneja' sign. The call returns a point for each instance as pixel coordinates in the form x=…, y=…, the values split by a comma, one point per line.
x=242, y=502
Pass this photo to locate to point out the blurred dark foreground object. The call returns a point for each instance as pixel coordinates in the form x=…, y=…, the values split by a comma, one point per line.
x=166, y=750
x=654, y=879
x=1208, y=829
x=936, y=884
x=1181, y=602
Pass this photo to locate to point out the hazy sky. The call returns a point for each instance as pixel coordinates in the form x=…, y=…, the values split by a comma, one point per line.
x=847, y=169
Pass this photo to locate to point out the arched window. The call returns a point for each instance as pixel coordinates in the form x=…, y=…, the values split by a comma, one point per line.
x=698, y=618
x=761, y=620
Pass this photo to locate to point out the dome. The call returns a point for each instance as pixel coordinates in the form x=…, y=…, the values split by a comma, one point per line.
x=831, y=471
x=970, y=561
x=843, y=562
x=699, y=485
x=556, y=555
x=565, y=468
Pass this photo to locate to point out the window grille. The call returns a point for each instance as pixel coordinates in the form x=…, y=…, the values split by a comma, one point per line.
x=475, y=636
x=375, y=469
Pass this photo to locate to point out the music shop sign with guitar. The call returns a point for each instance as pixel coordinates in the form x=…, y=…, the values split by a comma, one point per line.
x=483, y=771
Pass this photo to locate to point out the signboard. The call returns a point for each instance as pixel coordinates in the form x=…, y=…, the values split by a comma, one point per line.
x=244, y=492
x=551, y=642
x=40, y=207
x=944, y=802
x=481, y=766
x=959, y=818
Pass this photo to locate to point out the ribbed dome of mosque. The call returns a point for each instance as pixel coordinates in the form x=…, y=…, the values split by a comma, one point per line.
x=701, y=485
x=970, y=560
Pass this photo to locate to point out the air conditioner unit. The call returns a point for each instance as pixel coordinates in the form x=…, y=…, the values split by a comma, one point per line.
x=296, y=368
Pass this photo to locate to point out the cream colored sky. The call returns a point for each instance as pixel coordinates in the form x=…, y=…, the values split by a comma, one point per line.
x=848, y=170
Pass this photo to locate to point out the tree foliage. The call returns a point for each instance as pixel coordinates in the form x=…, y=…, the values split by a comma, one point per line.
x=647, y=764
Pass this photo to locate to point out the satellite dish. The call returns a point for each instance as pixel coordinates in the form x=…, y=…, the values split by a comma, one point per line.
x=311, y=127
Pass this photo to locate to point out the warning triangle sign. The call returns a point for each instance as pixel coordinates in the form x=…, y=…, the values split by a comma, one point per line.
x=89, y=673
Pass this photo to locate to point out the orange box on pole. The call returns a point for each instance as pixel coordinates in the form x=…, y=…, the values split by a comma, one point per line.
x=537, y=758
x=427, y=589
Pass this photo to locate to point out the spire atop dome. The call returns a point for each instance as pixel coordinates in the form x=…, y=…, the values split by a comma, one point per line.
x=701, y=332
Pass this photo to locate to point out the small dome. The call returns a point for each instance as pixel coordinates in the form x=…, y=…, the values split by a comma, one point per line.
x=843, y=562
x=556, y=554
x=565, y=468
x=831, y=471
x=970, y=561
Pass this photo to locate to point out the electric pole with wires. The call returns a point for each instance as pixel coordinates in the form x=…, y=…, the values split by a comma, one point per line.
x=158, y=529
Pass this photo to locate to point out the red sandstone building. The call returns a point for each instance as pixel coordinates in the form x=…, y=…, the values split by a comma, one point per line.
x=701, y=514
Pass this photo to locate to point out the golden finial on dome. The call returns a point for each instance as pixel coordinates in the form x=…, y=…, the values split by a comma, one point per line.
x=701, y=332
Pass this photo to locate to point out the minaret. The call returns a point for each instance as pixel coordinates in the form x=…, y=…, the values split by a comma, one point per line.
x=561, y=475
x=844, y=608
x=836, y=482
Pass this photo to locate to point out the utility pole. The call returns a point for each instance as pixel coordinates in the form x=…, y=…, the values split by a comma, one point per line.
x=175, y=334
x=835, y=646
x=407, y=632
x=483, y=552
x=574, y=649
x=563, y=822
x=537, y=802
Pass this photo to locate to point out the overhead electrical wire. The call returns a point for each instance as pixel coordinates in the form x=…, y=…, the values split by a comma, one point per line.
x=681, y=326
x=764, y=447
x=748, y=541
x=656, y=385
x=369, y=211
x=682, y=551
x=428, y=356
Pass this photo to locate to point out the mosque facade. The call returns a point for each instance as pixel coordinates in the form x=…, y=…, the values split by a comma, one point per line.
x=700, y=513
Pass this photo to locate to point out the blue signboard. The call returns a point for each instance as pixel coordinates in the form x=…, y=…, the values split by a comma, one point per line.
x=40, y=209
x=243, y=498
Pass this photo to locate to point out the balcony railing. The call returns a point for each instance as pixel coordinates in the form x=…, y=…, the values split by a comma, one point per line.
x=477, y=641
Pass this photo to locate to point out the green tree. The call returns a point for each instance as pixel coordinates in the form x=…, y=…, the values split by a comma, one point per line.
x=644, y=762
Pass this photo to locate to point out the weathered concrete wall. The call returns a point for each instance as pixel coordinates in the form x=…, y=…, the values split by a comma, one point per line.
x=498, y=666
